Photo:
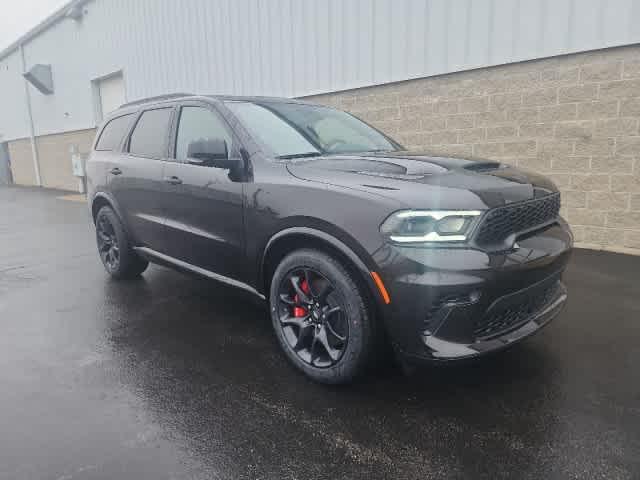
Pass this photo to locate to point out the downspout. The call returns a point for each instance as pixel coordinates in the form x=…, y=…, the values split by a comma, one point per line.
x=32, y=136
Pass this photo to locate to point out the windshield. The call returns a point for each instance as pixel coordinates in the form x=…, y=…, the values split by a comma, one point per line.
x=293, y=130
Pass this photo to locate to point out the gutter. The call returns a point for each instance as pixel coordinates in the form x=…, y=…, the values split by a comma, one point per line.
x=32, y=136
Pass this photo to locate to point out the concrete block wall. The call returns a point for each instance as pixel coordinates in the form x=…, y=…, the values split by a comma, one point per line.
x=575, y=118
x=21, y=159
x=54, y=159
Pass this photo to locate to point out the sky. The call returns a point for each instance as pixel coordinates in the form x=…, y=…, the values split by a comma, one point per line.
x=20, y=16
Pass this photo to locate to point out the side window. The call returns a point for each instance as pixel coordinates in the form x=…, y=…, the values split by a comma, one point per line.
x=113, y=132
x=199, y=125
x=150, y=134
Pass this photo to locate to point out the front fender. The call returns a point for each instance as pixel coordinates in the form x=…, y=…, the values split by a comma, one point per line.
x=354, y=253
x=320, y=235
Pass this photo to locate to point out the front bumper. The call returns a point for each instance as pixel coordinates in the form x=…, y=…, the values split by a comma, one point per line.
x=440, y=349
x=456, y=303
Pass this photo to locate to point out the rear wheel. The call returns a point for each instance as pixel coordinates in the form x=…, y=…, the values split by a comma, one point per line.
x=321, y=318
x=117, y=255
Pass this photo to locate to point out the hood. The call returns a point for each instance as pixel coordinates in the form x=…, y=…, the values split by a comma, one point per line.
x=422, y=181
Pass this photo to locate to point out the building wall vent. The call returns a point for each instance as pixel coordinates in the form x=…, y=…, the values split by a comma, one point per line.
x=40, y=77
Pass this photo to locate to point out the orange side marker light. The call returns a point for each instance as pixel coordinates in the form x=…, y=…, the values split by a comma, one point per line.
x=381, y=287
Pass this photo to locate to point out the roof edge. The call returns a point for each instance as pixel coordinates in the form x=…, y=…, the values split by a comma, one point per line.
x=41, y=27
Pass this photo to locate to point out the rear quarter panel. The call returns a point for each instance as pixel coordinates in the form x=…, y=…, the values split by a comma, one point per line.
x=97, y=166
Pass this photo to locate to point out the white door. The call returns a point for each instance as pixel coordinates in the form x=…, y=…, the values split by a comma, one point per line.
x=111, y=91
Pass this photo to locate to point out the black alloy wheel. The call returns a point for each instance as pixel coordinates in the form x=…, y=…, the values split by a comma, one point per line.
x=107, y=243
x=312, y=317
x=322, y=317
x=118, y=256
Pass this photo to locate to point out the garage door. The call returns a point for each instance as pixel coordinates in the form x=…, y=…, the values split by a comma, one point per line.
x=111, y=93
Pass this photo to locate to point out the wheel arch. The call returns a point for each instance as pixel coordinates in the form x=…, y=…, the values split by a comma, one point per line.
x=103, y=199
x=100, y=200
x=295, y=238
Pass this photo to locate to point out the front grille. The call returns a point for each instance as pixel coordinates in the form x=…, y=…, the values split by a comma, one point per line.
x=513, y=311
x=501, y=222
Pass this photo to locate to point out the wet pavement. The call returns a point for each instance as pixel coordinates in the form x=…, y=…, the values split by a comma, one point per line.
x=172, y=376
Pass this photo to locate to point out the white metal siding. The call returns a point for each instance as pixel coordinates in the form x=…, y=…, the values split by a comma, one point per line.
x=293, y=47
x=14, y=122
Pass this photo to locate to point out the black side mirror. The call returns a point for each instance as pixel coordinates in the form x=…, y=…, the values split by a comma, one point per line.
x=210, y=153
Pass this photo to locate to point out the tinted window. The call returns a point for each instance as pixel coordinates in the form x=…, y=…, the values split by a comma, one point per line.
x=295, y=129
x=271, y=129
x=199, y=124
x=150, y=134
x=333, y=130
x=113, y=133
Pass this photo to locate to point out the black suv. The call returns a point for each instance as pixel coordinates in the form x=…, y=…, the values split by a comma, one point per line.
x=352, y=240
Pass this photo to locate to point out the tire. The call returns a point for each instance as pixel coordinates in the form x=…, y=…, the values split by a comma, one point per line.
x=356, y=323
x=118, y=257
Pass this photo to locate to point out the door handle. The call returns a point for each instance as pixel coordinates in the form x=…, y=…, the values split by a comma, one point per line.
x=173, y=180
x=115, y=171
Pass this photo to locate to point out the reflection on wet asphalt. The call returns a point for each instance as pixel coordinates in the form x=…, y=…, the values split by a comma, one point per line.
x=172, y=376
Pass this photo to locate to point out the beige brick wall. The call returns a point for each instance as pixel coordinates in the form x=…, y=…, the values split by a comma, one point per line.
x=54, y=159
x=574, y=118
x=22, y=162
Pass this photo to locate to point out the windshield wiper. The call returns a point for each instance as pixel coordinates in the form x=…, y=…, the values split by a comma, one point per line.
x=299, y=155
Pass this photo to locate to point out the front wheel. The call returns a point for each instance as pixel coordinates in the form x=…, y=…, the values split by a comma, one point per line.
x=117, y=255
x=321, y=318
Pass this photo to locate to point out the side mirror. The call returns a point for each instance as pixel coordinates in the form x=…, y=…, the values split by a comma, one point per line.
x=210, y=153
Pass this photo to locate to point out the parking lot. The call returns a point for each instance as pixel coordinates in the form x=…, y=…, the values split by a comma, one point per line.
x=172, y=376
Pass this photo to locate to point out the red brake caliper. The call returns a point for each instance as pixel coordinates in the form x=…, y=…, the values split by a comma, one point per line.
x=300, y=312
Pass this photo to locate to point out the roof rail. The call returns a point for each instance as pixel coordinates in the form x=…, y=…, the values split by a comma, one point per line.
x=155, y=99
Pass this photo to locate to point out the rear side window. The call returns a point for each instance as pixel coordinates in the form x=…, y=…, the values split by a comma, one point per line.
x=113, y=132
x=149, y=137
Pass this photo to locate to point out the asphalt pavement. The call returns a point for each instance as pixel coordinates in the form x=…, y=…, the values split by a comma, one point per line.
x=176, y=377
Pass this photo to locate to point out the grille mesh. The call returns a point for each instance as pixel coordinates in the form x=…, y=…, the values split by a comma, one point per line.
x=503, y=318
x=501, y=222
x=436, y=307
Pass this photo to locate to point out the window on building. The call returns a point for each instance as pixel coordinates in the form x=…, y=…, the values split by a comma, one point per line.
x=113, y=133
x=198, y=125
x=149, y=137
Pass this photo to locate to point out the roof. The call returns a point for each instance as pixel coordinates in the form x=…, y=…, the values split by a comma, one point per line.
x=52, y=19
x=157, y=99
x=259, y=99
x=172, y=97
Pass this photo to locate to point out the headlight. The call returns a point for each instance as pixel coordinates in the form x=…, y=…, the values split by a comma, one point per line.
x=415, y=226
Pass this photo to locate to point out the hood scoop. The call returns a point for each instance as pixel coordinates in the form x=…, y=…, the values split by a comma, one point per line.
x=400, y=176
x=357, y=165
x=418, y=180
x=400, y=168
x=481, y=167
